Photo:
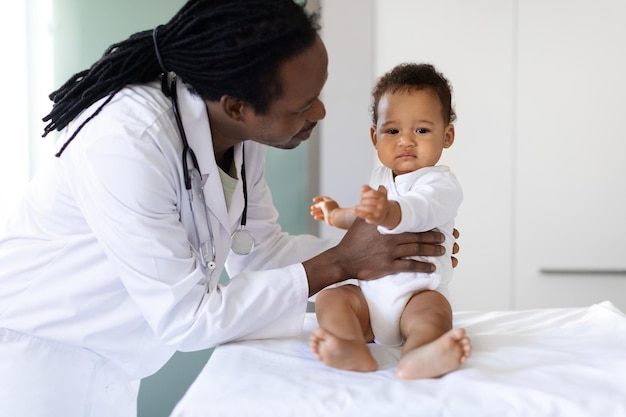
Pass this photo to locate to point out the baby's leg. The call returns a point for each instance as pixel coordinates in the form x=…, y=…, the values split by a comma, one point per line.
x=432, y=348
x=341, y=341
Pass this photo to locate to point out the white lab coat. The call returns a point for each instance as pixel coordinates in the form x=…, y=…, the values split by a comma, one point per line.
x=97, y=257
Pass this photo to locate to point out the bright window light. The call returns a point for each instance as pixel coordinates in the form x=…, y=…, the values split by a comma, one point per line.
x=26, y=74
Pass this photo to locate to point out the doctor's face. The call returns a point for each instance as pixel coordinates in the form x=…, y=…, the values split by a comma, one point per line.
x=291, y=118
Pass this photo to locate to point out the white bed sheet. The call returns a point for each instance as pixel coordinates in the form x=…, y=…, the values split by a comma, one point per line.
x=568, y=362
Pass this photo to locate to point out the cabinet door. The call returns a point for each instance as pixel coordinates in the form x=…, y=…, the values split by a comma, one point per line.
x=570, y=198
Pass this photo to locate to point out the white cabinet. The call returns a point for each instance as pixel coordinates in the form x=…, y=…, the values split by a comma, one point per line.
x=570, y=146
x=540, y=96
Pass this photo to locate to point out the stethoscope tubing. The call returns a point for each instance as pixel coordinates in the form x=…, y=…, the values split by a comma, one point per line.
x=169, y=88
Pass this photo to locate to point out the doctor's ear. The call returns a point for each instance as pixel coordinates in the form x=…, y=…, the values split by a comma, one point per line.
x=234, y=107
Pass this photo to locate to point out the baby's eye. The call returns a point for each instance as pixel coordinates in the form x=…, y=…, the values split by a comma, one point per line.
x=392, y=131
x=422, y=130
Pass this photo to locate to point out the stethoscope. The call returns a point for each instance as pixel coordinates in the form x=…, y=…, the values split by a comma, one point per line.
x=242, y=240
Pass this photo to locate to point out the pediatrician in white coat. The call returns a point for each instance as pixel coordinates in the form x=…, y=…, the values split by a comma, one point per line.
x=111, y=262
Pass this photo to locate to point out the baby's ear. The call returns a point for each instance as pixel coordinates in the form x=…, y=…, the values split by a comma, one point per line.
x=373, y=135
x=448, y=136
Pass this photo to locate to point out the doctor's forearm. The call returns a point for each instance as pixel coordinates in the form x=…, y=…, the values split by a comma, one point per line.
x=324, y=270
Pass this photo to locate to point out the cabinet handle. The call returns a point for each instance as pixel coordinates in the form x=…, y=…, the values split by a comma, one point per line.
x=582, y=271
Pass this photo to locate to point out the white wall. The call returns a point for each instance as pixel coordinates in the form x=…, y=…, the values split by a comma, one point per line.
x=364, y=42
x=345, y=151
x=517, y=68
x=570, y=146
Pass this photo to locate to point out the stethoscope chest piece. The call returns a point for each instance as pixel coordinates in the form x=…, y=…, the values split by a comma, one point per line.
x=242, y=241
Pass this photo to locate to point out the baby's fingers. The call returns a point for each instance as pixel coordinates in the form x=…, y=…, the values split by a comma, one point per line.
x=321, y=198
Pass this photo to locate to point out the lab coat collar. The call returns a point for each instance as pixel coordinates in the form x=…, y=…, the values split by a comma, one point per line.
x=193, y=113
x=197, y=127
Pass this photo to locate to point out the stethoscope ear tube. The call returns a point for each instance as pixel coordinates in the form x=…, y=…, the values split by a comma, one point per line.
x=242, y=240
x=168, y=85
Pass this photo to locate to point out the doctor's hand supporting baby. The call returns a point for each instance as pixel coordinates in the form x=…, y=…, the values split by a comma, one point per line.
x=365, y=254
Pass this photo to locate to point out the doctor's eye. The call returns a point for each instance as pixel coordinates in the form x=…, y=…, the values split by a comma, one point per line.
x=303, y=110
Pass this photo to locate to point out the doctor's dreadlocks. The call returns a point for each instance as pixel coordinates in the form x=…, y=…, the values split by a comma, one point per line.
x=217, y=47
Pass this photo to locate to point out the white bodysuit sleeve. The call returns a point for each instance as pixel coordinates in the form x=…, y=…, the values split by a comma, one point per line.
x=430, y=202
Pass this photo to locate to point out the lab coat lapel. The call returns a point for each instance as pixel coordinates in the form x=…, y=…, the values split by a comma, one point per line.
x=196, y=123
x=237, y=202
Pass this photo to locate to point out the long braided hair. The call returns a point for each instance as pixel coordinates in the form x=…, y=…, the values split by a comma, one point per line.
x=217, y=47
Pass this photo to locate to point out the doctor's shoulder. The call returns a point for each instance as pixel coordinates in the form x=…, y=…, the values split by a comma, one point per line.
x=131, y=113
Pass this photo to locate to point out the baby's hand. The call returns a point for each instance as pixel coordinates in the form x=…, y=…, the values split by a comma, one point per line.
x=374, y=205
x=322, y=208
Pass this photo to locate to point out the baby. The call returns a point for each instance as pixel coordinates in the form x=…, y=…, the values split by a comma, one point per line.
x=412, y=124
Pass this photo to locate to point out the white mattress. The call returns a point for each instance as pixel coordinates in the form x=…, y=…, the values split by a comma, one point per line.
x=566, y=362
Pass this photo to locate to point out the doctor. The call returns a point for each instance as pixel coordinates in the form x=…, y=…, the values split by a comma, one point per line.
x=112, y=260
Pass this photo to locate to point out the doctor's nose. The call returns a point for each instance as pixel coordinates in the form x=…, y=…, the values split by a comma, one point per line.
x=317, y=111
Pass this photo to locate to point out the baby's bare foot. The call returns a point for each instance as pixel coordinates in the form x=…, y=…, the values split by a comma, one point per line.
x=436, y=358
x=350, y=355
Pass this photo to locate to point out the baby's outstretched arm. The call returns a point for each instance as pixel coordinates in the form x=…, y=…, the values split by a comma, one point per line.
x=327, y=209
x=376, y=209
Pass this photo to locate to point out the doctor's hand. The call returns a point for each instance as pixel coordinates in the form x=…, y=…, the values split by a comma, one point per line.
x=455, y=248
x=365, y=254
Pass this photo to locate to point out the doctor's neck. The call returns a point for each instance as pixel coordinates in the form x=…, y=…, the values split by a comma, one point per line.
x=226, y=132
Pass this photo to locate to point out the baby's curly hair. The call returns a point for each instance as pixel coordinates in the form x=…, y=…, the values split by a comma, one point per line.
x=412, y=76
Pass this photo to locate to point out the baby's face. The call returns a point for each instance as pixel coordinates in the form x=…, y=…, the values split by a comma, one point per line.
x=411, y=132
